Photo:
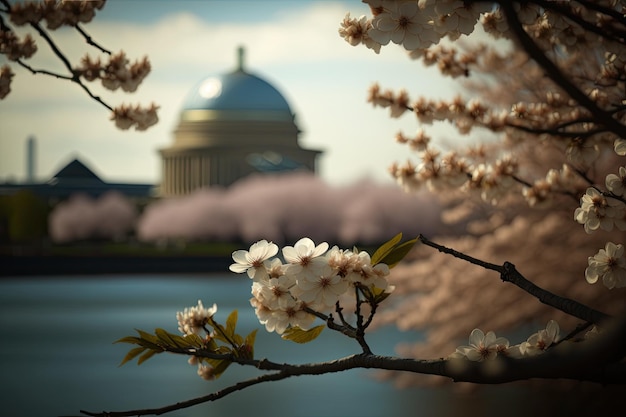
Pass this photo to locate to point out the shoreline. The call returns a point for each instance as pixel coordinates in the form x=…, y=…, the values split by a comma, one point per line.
x=31, y=265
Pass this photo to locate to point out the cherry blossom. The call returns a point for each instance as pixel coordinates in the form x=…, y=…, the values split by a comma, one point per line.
x=305, y=256
x=609, y=264
x=542, y=340
x=206, y=372
x=253, y=260
x=355, y=31
x=616, y=184
x=403, y=23
x=482, y=346
x=321, y=290
x=192, y=319
x=599, y=212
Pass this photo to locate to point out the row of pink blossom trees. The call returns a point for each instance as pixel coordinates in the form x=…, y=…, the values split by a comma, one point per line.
x=277, y=207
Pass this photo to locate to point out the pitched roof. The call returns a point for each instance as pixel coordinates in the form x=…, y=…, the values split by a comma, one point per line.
x=76, y=170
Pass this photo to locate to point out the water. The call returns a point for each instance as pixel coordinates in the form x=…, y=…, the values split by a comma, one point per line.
x=57, y=355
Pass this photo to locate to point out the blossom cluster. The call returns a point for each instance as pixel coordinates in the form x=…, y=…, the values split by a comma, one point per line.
x=311, y=280
x=598, y=211
x=55, y=13
x=116, y=73
x=5, y=81
x=193, y=320
x=13, y=48
x=413, y=24
x=487, y=346
x=126, y=116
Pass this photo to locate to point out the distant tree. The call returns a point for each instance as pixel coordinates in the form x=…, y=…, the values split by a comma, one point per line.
x=549, y=94
x=117, y=72
x=26, y=216
x=111, y=216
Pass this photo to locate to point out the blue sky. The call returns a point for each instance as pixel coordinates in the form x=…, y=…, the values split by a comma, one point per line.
x=292, y=44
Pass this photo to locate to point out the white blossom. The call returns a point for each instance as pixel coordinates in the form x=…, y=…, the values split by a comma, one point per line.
x=354, y=31
x=321, y=290
x=482, y=346
x=599, y=212
x=403, y=23
x=620, y=146
x=609, y=264
x=192, y=319
x=542, y=340
x=305, y=256
x=253, y=260
x=616, y=184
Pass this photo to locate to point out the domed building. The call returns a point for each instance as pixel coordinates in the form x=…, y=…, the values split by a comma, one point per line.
x=230, y=126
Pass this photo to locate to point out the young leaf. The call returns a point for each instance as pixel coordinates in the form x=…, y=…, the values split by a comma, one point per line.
x=132, y=354
x=385, y=248
x=231, y=323
x=246, y=348
x=146, y=356
x=296, y=334
x=129, y=339
x=250, y=338
x=193, y=340
x=148, y=337
x=397, y=254
x=165, y=337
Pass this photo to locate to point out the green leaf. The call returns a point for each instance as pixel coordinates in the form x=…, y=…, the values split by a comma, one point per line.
x=246, y=349
x=193, y=340
x=296, y=334
x=379, y=295
x=146, y=356
x=231, y=323
x=394, y=256
x=129, y=339
x=385, y=248
x=173, y=340
x=165, y=338
x=132, y=354
x=251, y=337
x=146, y=340
x=148, y=337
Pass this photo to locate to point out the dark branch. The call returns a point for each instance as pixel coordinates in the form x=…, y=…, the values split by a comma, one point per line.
x=594, y=360
x=509, y=273
x=90, y=40
x=555, y=74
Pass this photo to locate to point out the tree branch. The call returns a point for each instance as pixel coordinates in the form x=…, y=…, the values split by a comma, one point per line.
x=555, y=74
x=593, y=360
x=90, y=40
x=509, y=273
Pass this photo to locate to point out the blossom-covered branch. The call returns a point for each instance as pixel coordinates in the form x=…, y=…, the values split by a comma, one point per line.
x=118, y=72
x=288, y=297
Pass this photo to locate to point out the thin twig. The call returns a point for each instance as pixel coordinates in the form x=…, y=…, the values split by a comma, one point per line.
x=90, y=40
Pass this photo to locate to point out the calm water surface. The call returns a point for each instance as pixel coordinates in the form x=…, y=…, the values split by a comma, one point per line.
x=57, y=355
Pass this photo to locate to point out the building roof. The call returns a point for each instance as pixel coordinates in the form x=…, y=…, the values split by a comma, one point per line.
x=76, y=170
x=75, y=178
x=236, y=95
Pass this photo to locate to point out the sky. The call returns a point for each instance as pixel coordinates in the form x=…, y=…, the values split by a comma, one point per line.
x=294, y=45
